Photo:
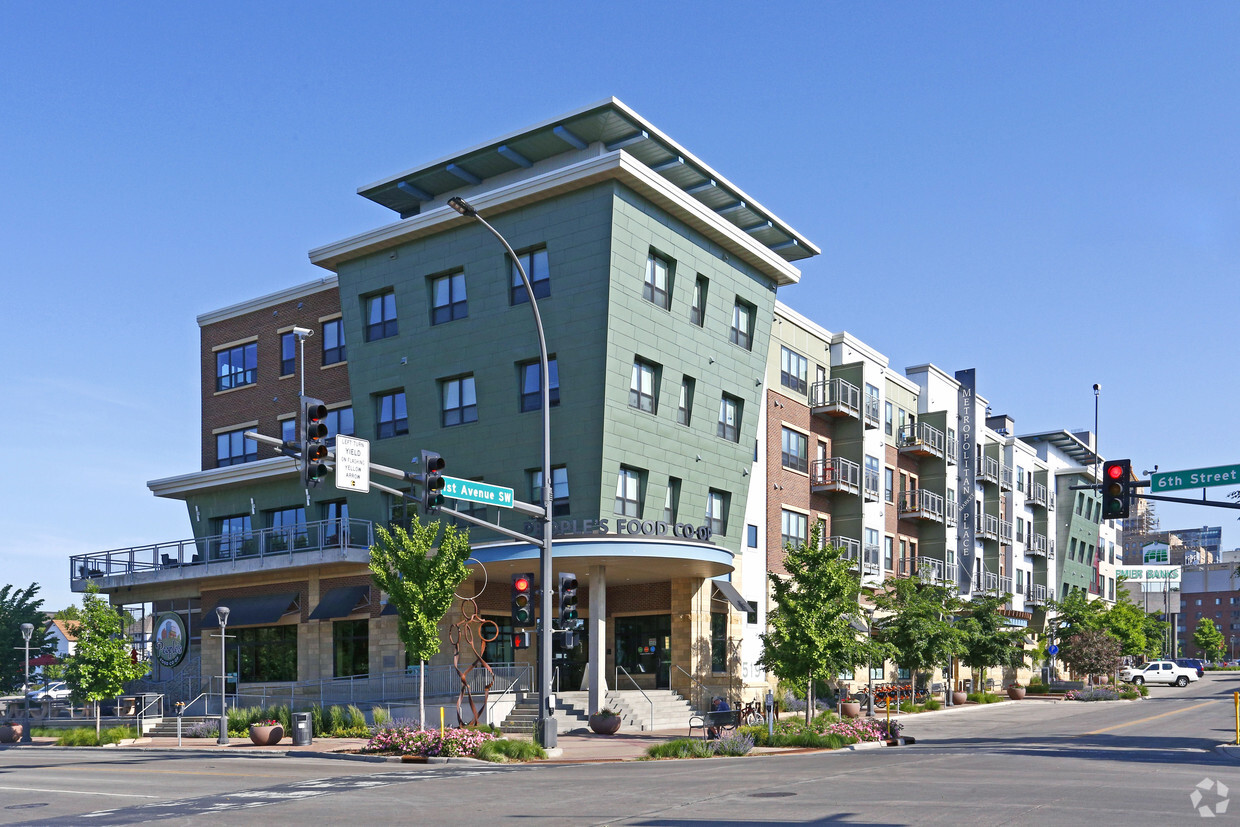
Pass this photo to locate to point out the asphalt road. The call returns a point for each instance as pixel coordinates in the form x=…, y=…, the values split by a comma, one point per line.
x=1027, y=763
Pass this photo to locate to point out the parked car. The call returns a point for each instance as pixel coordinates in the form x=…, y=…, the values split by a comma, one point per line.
x=54, y=691
x=1192, y=663
x=1159, y=671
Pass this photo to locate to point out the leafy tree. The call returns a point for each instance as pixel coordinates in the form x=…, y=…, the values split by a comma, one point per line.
x=917, y=626
x=1209, y=639
x=421, y=585
x=102, y=663
x=810, y=631
x=1155, y=635
x=987, y=637
x=1091, y=652
x=18, y=606
x=70, y=612
x=1126, y=622
x=1076, y=613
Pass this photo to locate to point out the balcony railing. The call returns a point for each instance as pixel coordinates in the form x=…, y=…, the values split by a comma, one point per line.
x=1036, y=595
x=1005, y=477
x=950, y=443
x=1037, y=545
x=852, y=548
x=835, y=397
x=871, y=485
x=987, y=526
x=990, y=583
x=1037, y=495
x=835, y=474
x=950, y=509
x=258, y=544
x=987, y=469
x=1005, y=531
x=871, y=412
x=921, y=439
x=1005, y=585
x=920, y=504
x=928, y=570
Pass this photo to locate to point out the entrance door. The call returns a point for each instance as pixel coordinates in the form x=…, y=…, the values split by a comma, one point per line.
x=644, y=648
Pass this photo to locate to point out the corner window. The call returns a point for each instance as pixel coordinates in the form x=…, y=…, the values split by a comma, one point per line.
x=742, y=325
x=559, y=490
x=793, y=370
x=717, y=511
x=729, y=418
x=460, y=403
x=381, y=316
x=536, y=268
x=795, y=451
x=697, y=310
x=531, y=387
x=232, y=448
x=392, y=415
x=657, y=288
x=448, y=301
x=628, y=493
x=333, y=342
x=642, y=387
x=684, y=409
x=236, y=366
x=288, y=354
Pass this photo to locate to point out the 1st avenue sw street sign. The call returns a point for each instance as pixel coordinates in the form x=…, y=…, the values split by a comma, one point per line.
x=455, y=488
x=1195, y=478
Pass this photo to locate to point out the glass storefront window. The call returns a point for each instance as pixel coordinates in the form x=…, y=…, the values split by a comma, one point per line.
x=644, y=647
x=265, y=653
x=351, y=648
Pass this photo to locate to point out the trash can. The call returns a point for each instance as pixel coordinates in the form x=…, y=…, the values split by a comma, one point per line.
x=302, y=729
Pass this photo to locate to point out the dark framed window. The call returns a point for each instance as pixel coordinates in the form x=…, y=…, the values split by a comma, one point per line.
x=729, y=418
x=381, y=316
x=658, y=285
x=751, y=536
x=889, y=485
x=643, y=386
x=559, y=490
x=742, y=325
x=793, y=370
x=697, y=310
x=718, y=641
x=671, y=501
x=234, y=533
x=265, y=653
x=460, y=402
x=628, y=493
x=288, y=354
x=531, y=388
x=684, y=409
x=717, y=511
x=448, y=302
x=539, y=273
x=232, y=448
x=793, y=528
x=334, y=349
x=339, y=421
x=392, y=415
x=887, y=426
x=236, y=366
x=350, y=648
x=889, y=553
x=794, y=453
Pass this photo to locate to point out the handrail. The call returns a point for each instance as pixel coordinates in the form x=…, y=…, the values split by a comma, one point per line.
x=502, y=695
x=695, y=680
x=620, y=669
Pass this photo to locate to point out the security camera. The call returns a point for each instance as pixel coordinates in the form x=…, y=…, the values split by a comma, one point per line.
x=303, y=332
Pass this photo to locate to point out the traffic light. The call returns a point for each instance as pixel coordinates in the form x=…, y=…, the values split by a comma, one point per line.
x=313, y=441
x=432, y=481
x=568, y=600
x=1116, y=488
x=522, y=600
x=520, y=640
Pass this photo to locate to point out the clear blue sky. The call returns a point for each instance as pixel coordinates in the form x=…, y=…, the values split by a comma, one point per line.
x=993, y=185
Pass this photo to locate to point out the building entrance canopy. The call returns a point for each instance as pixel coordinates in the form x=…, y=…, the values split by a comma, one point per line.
x=626, y=560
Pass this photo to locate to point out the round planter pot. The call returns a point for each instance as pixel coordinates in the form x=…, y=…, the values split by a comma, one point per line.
x=1103, y=680
x=960, y=698
x=850, y=709
x=1016, y=693
x=10, y=733
x=266, y=736
x=605, y=725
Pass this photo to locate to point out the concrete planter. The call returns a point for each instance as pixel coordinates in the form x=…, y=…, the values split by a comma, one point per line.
x=604, y=724
x=960, y=698
x=850, y=709
x=1016, y=693
x=266, y=736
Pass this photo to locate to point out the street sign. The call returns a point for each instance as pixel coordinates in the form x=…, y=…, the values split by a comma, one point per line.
x=477, y=492
x=1195, y=478
x=352, y=464
x=1052, y=649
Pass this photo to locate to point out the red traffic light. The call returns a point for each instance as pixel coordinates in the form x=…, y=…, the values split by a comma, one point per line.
x=1115, y=471
x=521, y=584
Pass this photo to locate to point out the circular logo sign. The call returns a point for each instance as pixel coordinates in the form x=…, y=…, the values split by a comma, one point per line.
x=171, y=640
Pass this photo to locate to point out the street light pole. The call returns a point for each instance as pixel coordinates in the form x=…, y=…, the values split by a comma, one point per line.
x=869, y=663
x=222, y=613
x=27, y=631
x=547, y=730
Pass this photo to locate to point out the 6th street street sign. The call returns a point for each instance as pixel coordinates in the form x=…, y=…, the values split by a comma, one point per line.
x=455, y=488
x=1195, y=478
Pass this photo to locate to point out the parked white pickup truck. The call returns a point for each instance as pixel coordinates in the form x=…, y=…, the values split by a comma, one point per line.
x=1158, y=671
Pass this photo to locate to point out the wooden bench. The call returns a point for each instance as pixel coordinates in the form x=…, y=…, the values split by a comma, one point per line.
x=726, y=720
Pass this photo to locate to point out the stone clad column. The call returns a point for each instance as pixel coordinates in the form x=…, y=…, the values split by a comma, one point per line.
x=596, y=628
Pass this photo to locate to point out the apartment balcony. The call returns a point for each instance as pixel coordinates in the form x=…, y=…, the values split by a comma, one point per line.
x=865, y=559
x=987, y=526
x=1036, y=595
x=871, y=485
x=920, y=504
x=928, y=570
x=1005, y=478
x=1038, y=495
x=1005, y=531
x=835, y=475
x=989, y=584
x=871, y=412
x=1038, y=545
x=987, y=469
x=304, y=544
x=835, y=397
x=921, y=440
x=1005, y=585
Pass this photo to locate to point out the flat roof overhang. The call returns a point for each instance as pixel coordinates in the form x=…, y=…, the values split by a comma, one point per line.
x=628, y=561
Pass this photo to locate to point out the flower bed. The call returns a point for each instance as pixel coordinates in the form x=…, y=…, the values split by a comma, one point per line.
x=1094, y=693
x=398, y=739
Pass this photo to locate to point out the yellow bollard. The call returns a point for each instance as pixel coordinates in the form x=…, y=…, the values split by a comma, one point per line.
x=441, y=724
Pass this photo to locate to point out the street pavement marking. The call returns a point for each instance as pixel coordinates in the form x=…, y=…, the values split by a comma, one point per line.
x=74, y=792
x=1151, y=718
x=146, y=771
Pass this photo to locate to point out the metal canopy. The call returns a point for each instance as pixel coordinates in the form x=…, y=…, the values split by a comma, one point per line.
x=252, y=611
x=615, y=127
x=341, y=602
x=730, y=594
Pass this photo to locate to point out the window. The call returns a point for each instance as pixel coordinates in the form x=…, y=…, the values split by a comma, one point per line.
x=870, y=481
x=287, y=517
x=1020, y=478
x=236, y=366
x=887, y=426
x=339, y=421
x=393, y=417
x=1020, y=530
x=717, y=511
x=1020, y=581
x=719, y=641
x=531, y=388
x=752, y=615
x=793, y=370
x=460, y=403
x=264, y=653
x=350, y=648
x=795, y=451
x=657, y=288
x=336, y=514
x=751, y=538
x=234, y=532
x=742, y=325
x=288, y=430
x=288, y=526
x=793, y=528
x=684, y=409
x=729, y=418
x=889, y=485
x=901, y=418
x=559, y=490
x=539, y=273
x=671, y=501
x=697, y=310
x=333, y=342
x=288, y=353
x=628, y=493
x=381, y=316
x=642, y=387
x=1072, y=549
x=232, y=448
x=448, y=301
x=889, y=553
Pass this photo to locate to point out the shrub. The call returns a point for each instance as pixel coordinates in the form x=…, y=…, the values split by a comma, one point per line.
x=381, y=715
x=335, y=720
x=503, y=750
x=680, y=748
x=932, y=704
x=202, y=729
x=491, y=728
x=984, y=697
x=1037, y=688
x=239, y=718
x=357, y=719
x=404, y=739
x=735, y=743
x=317, y=722
x=85, y=736
x=1093, y=693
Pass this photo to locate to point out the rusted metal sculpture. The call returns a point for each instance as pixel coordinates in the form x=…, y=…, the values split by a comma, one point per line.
x=463, y=629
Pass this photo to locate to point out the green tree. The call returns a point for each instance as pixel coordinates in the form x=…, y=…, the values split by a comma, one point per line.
x=102, y=663
x=18, y=606
x=1155, y=635
x=1209, y=639
x=1091, y=652
x=1076, y=613
x=422, y=585
x=987, y=638
x=810, y=630
x=1126, y=622
x=917, y=625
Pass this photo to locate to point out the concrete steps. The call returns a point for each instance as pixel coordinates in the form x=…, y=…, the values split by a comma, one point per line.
x=669, y=711
x=167, y=727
